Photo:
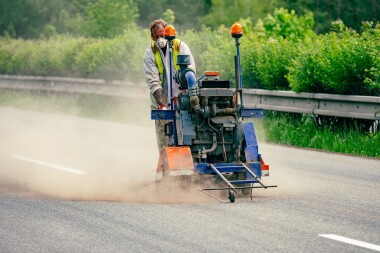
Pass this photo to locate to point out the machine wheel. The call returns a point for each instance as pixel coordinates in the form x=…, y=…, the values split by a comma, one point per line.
x=231, y=196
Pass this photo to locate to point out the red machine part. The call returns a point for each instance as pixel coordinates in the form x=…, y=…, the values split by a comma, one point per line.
x=175, y=161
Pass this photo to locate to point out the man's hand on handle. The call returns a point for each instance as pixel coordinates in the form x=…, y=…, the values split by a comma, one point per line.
x=158, y=96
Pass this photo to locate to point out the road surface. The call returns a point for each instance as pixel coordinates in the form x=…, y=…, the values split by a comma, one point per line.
x=70, y=184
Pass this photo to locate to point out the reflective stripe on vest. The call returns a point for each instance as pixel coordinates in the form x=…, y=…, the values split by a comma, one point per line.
x=157, y=56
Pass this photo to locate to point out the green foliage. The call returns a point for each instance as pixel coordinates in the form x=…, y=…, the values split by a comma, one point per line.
x=227, y=12
x=196, y=45
x=149, y=11
x=104, y=18
x=27, y=19
x=118, y=58
x=168, y=16
x=49, y=31
x=43, y=57
x=301, y=131
x=111, y=58
x=287, y=24
x=273, y=46
x=212, y=50
x=338, y=26
x=264, y=61
x=344, y=63
x=267, y=62
x=371, y=39
x=351, y=12
x=41, y=18
x=185, y=12
x=219, y=54
x=101, y=18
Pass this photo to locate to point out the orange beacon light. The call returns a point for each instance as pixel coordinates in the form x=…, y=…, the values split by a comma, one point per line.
x=236, y=30
x=170, y=32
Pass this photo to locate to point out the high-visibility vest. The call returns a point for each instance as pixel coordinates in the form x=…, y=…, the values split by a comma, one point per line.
x=157, y=56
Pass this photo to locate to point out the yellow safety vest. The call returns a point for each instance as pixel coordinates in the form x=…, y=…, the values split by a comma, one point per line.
x=157, y=56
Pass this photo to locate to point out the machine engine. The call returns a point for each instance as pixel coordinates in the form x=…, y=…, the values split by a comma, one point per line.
x=214, y=131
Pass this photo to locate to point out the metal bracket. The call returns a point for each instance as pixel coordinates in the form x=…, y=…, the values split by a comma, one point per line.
x=230, y=186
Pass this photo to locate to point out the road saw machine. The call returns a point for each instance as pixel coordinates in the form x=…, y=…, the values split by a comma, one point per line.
x=206, y=133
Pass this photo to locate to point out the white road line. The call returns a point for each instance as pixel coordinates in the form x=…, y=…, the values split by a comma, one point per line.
x=352, y=241
x=54, y=166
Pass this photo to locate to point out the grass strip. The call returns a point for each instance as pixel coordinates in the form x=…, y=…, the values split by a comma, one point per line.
x=303, y=132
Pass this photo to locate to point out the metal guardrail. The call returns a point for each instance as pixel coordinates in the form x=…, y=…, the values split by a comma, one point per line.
x=74, y=86
x=359, y=107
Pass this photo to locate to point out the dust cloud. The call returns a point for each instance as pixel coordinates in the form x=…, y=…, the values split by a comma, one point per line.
x=118, y=160
x=290, y=180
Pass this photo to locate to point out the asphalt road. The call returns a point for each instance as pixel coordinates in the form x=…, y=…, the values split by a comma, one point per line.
x=71, y=184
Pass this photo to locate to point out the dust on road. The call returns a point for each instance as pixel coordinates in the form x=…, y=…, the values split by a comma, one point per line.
x=119, y=159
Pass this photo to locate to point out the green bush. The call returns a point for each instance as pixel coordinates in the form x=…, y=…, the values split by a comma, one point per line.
x=192, y=39
x=118, y=58
x=97, y=59
x=212, y=50
x=371, y=38
x=286, y=24
x=268, y=61
x=67, y=50
x=5, y=54
x=343, y=63
x=15, y=56
x=340, y=63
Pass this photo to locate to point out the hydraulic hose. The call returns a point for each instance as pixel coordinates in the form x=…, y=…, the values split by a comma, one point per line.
x=193, y=91
x=191, y=80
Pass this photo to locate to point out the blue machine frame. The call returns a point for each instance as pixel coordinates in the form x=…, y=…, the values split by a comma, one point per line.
x=253, y=165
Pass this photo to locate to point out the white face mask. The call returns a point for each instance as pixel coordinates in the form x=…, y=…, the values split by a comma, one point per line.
x=161, y=42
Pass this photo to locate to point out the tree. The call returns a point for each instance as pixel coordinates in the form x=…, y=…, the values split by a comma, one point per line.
x=185, y=12
x=226, y=12
x=351, y=12
x=168, y=16
x=36, y=18
x=104, y=18
x=27, y=18
x=287, y=24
